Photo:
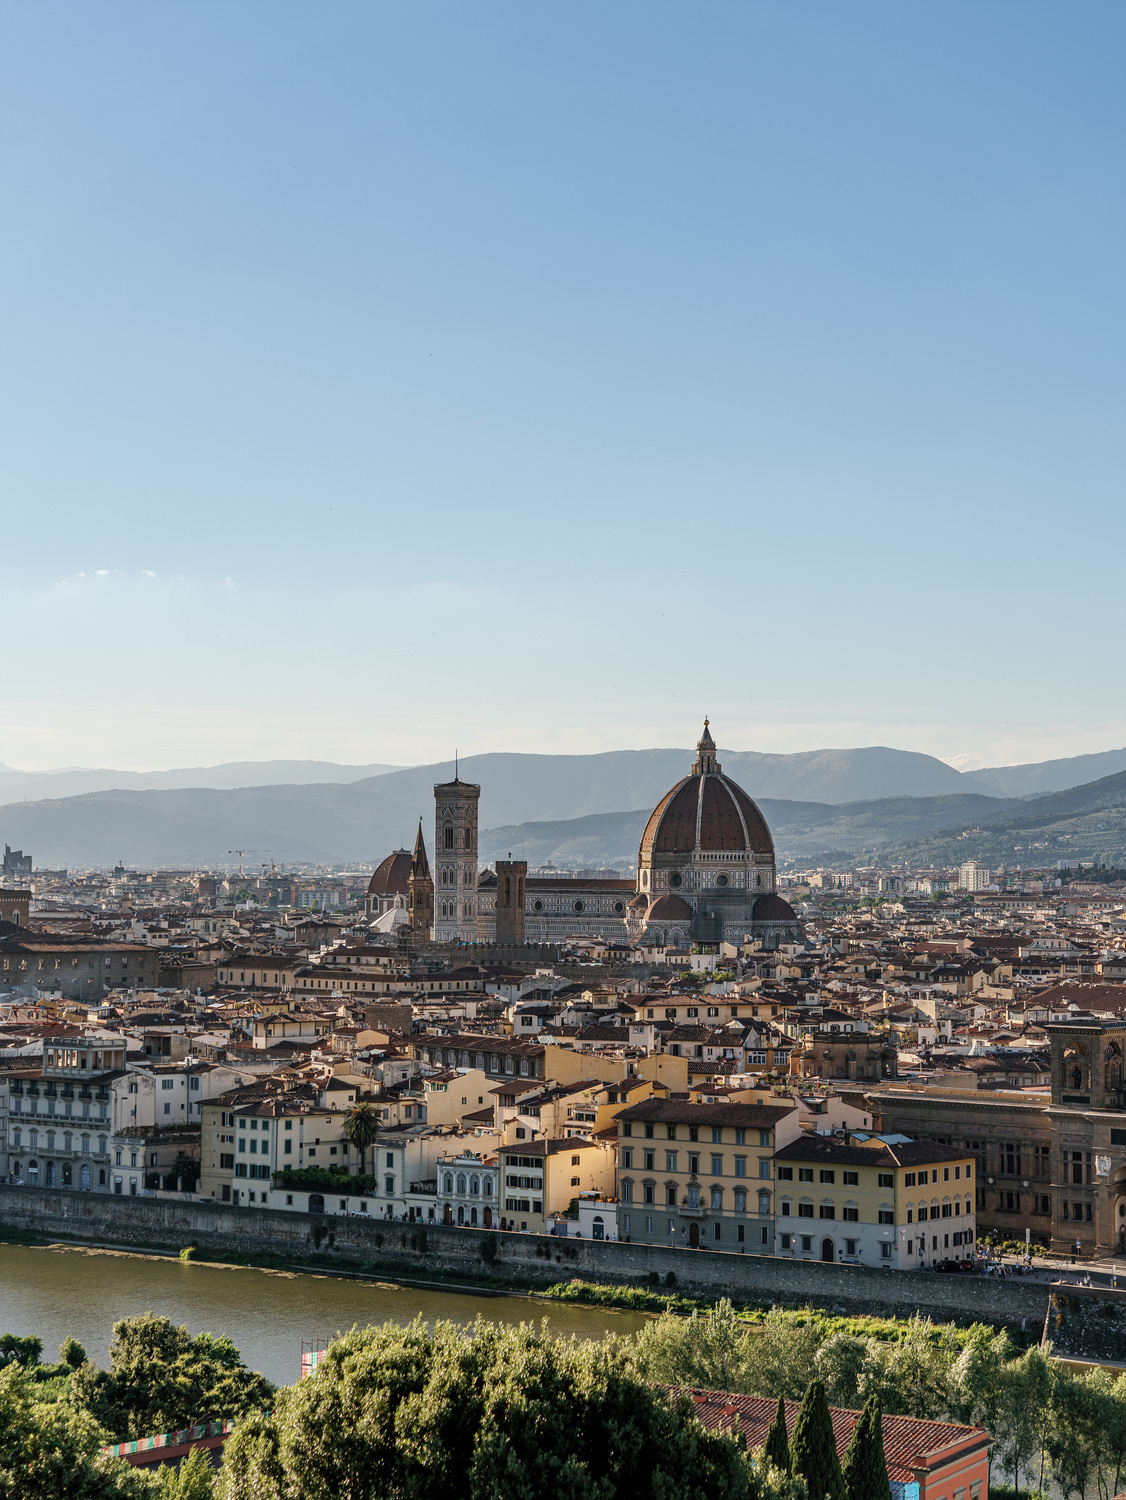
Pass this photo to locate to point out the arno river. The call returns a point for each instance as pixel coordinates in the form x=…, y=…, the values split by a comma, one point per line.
x=52, y=1293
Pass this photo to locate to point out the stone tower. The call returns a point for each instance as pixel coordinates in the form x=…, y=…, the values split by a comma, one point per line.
x=420, y=892
x=511, y=875
x=455, y=861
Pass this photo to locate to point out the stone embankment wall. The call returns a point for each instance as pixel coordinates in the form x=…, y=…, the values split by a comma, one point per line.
x=1087, y=1322
x=408, y=1250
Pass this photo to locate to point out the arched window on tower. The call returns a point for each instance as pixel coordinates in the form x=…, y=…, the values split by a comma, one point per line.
x=449, y=836
x=468, y=837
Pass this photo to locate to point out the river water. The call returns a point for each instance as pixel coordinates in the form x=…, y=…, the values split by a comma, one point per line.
x=58, y=1291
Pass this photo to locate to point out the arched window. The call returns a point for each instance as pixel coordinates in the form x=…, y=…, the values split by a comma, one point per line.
x=448, y=1185
x=741, y=1200
x=101, y=1145
x=627, y=1190
x=648, y=1192
x=449, y=836
x=474, y=1187
x=67, y=1138
x=34, y=1138
x=468, y=837
x=17, y=1139
x=461, y=1182
x=763, y=1204
x=86, y=1144
x=486, y=1187
x=717, y=1199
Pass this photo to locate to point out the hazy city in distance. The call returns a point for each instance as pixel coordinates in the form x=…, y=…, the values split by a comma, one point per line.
x=562, y=750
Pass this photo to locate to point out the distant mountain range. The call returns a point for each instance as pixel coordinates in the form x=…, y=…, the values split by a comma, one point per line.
x=843, y=804
x=74, y=781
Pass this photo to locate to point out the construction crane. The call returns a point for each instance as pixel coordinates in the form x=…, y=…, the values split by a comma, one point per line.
x=241, y=852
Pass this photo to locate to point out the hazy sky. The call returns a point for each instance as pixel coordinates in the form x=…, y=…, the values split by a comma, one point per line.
x=379, y=378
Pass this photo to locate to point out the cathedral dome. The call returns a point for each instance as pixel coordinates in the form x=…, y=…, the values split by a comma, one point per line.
x=706, y=810
x=669, y=909
x=390, y=878
x=773, y=909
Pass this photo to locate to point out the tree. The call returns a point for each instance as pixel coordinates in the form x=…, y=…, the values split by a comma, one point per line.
x=48, y=1451
x=17, y=1351
x=71, y=1353
x=840, y=1365
x=161, y=1378
x=777, y=1447
x=193, y=1480
x=361, y=1127
x=709, y=1350
x=441, y=1413
x=813, y=1448
x=864, y=1468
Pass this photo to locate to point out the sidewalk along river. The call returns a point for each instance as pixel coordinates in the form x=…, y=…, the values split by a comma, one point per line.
x=52, y=1292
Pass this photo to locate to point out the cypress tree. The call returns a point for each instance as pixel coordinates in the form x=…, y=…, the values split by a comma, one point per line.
x=813, y=1449
x=864, y=1468
x=777, y=1449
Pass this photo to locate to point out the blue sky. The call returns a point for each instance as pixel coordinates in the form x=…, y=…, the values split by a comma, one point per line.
x=383, y=377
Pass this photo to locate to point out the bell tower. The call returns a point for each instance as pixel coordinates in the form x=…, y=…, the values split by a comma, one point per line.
x=420, y=892
x=511, y=875
x=455, y=861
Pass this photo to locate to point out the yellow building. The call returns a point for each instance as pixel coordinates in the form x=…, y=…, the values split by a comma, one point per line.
x=873, y=1200
x=700, y=1174
x=538, y=1179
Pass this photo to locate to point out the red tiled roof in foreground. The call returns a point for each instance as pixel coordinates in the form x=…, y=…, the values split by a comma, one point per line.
x=910, y=1444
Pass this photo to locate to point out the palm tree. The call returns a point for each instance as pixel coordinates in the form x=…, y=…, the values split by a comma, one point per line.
x=361, y=1127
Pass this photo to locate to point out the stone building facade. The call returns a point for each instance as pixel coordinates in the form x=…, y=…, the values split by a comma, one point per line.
x=455, y=861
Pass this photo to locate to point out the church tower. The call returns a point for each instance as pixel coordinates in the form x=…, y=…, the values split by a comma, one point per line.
x=511, y=875
x=420, y=892
x=455, y=861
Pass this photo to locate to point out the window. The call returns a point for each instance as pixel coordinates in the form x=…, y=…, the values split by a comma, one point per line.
x=805, y=1209
x=627, y=1158
x=717, y=1199
x=650, y=1156
x=670, y=1195
x=828, y=1175
x=851, y=1179
x=805, y=1174
x=909, y=1179
x=670, y=1131
x=787, y=1241
x=785, y=1208
x=827, y=1211
x=741, y=1167
x=670, y=1161
x=717, y=1165
x=785, y=1174
x=886, y=1180
x=886, y=1216
x=851, y=1214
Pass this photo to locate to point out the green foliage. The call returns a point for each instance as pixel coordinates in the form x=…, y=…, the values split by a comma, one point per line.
x=193, y=1480
x=813, y=1449
x=188, y=1253
x=334, y=1179
x=361, y=1127
x=863, y=1467
x=491, y=1411
x=51, y=1452
x=17, y=1351
x=71, y=1353
x=777, y=1447
x=161, y=1378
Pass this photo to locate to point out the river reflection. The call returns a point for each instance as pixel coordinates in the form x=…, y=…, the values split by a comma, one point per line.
x=59, y=1291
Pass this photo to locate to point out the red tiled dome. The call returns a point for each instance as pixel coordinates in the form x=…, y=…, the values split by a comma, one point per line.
x=773, y=909
x=669, y=909
x=390, y=878
x=706, y=812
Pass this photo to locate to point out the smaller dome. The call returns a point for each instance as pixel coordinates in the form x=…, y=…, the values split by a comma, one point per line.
x=669, y=909
x=391, y=876
x=773, y=909
x=639, y=903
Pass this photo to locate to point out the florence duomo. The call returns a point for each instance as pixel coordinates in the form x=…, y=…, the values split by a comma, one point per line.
x=705, y=874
